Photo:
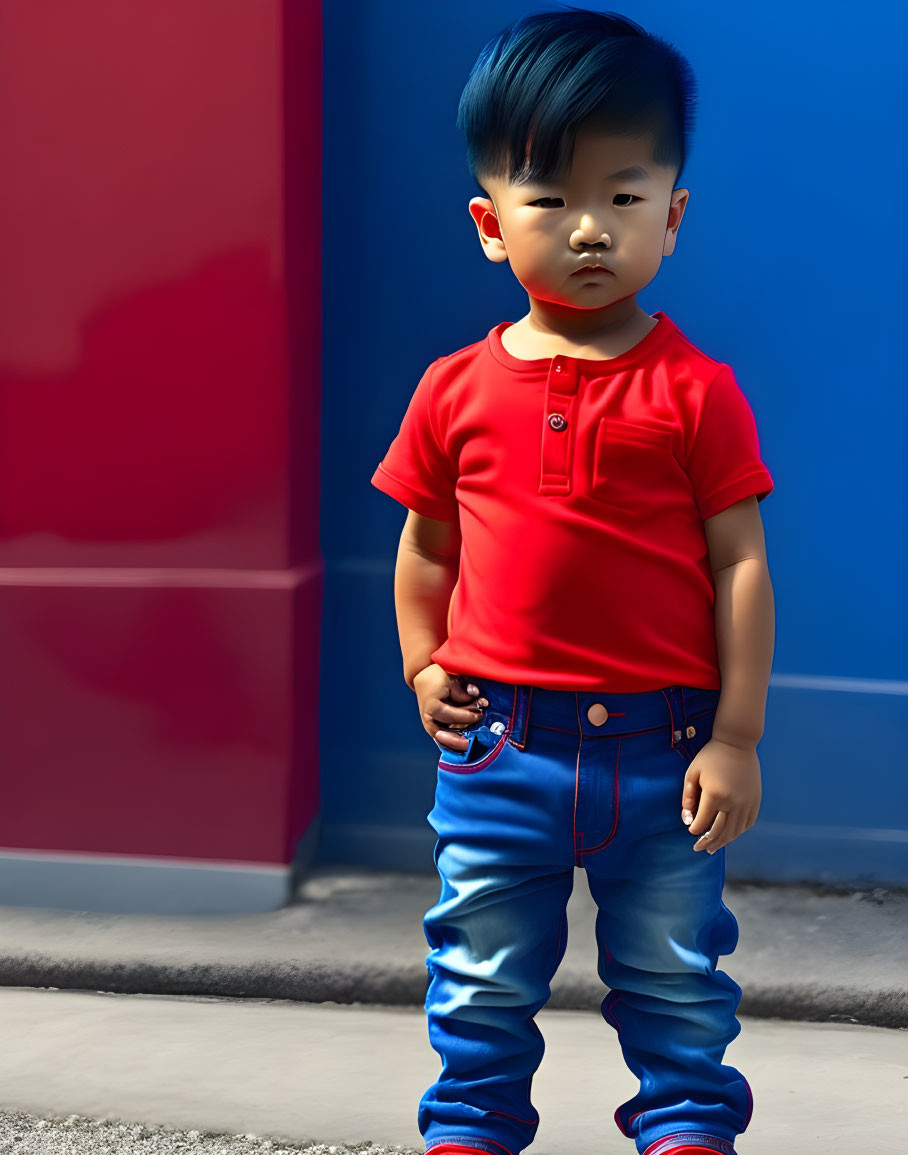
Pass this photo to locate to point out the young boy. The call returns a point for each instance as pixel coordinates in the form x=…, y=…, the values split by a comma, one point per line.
x=584, y=605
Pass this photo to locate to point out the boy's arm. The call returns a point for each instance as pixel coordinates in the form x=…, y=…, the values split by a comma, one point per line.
x=428, y=562
x=745, y=621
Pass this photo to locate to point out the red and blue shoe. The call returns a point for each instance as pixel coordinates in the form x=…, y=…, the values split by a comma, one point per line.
x=690, y=1143
x=455, y=1149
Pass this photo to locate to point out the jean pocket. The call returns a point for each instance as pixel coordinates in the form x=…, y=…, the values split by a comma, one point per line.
x=633, y=465
x=486, y=740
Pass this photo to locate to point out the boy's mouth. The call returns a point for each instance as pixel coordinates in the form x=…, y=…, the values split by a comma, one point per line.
x=587, y=269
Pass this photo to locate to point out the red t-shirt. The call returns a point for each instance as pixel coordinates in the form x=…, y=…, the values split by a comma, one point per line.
x=581, y=487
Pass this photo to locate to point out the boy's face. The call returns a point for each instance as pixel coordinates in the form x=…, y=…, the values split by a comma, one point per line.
x=548, y=231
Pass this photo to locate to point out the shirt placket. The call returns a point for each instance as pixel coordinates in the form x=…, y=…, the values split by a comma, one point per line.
x=559, y=420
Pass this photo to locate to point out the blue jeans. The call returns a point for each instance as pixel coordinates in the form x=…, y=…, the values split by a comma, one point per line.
x=544, y=788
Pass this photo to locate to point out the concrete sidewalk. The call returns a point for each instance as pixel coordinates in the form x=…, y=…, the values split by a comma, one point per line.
x=355, y=936
x=102, y=1073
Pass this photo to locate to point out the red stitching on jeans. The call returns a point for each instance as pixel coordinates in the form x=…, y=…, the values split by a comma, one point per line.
x=578, y=857
x=671, y=716
x=532, y=1122
x=558, y=730
x=592, y=849
x=609, y=1013
x=521, y=744
x=612, y=714
x=521, y=741
x=604, y=737
x=474, y=767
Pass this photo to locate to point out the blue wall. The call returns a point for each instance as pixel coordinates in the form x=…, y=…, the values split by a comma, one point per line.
x=789, y=266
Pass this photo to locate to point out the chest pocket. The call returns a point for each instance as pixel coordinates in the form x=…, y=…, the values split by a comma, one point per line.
x=633, y=465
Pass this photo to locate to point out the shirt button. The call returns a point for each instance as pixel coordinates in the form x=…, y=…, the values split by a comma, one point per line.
x=691, y=732
x=557, y=421
x=597, y=714
x=677, y=735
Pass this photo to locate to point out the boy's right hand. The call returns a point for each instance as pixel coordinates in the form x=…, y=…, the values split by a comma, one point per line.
x=442, y=702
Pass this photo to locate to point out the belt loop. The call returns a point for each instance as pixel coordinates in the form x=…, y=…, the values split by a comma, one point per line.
x=677, y=715
x=520, y=716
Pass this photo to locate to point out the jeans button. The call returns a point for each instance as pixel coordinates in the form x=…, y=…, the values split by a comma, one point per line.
x=597, y=714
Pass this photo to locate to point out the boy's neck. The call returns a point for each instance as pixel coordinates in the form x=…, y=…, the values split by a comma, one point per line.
x=588, y=334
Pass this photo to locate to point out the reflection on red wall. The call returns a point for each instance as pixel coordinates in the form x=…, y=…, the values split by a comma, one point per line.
x=160, y=572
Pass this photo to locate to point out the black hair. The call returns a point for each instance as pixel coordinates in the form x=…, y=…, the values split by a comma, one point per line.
x=544, y=75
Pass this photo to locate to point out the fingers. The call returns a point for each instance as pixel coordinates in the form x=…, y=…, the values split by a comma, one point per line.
x=449, y=740
x=718, y=806
x=728, y=826
x=712, y=839
x=705, y=813
x=690, y=796
x=448, y=734
x=462, y=690
x=451, y=714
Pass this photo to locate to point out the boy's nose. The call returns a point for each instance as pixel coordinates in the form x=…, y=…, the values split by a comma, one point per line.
x=590, y=237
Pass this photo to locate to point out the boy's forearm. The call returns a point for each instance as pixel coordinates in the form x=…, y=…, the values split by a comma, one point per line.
x=745, y=635
x=422, y=593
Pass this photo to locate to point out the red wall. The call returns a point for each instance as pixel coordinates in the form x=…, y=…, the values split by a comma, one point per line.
x=160, y=570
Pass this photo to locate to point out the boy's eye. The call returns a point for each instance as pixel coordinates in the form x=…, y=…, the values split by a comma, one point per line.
x=624, y=204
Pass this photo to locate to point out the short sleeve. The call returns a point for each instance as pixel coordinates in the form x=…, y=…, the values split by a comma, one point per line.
x=416, y=471
x=724, y=462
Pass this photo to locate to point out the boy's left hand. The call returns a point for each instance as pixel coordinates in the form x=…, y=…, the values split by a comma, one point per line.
x=722, y=789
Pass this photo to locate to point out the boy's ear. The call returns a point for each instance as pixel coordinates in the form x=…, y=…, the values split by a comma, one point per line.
x=680, y=198
x=482, y=210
